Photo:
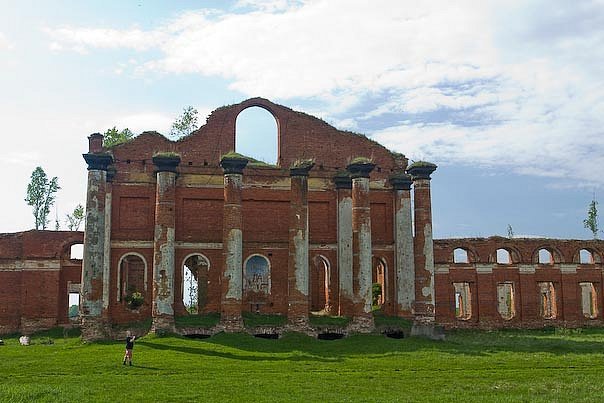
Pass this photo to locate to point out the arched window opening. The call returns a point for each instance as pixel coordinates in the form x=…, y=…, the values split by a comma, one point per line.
x=132, y=279
x=548, y=307
x=379, y=284
x=589, y=300
x=545, y=257
x=503, y=256
x=195, y=283
x=257, y=281
x=463, y=301
x=256, y=135
x=586, y=257
x=506, y=304
x=77, y=251
x=320, y=295
x=460, y=256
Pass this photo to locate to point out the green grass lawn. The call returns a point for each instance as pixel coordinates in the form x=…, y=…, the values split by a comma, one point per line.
x=544, y=366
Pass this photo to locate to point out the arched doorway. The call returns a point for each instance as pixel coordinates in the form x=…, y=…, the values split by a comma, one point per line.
x=320, y=293
x=195, y=283
x=379, y=288
x=132, y=279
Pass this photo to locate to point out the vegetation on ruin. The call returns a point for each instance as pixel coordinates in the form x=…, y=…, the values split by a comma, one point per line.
x=470, y=366
x=305, y=163
x=113, y=137
x=421, y=164
x=185, y=123
x=166, y=154
x=360, y=160
x=591, y=222
x=326, y=320
x=252, y=162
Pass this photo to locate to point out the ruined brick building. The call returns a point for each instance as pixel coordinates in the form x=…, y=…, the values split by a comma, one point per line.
x=336, y=214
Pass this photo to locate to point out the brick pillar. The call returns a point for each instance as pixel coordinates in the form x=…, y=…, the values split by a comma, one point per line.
x=232, y=245
x=93, y=310
x=423, y=247
x=344, y=185
x=403, y=245
x=163, y=243
x=361, y=246
x=297, y=264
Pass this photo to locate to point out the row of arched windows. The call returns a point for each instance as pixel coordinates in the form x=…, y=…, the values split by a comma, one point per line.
x=542, y=256
x=506, y=300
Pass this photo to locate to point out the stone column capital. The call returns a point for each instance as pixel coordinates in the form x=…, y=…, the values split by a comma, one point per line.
x=421, y=170
x=301, y=168
x=360, y=168
x=401, y=181
x=233, y=165
x=98, y=161
x=166, y=162
x=343, y=181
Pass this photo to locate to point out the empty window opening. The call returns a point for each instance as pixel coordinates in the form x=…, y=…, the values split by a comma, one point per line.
x=257, y=280
x=548, y=306
x=545, y=257
x=195, y=283
x=460, y=256
x=76, y=251
x=74, y=305
x=506, y=305
x=463, y=301
x=256, y=135
x=132, y=277
x=379, y=287
x=503, y=256
x=586, y=257
x=589, y=300
x=320, y=287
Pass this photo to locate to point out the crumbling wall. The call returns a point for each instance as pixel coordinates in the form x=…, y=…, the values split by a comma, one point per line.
x=494, y=286
x=35, y=273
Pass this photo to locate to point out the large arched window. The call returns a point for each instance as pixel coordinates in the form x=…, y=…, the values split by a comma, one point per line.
x=195, y=283
x=256, y=135
x=132, y=275
x=320, y=286
x=504, y=256
x=460, y=255
x=257, y=278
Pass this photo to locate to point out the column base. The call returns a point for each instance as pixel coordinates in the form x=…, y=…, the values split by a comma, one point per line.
x=362, y=324
x=231, y=323
x=163, y=325
x=94, y=328
x=428, y=330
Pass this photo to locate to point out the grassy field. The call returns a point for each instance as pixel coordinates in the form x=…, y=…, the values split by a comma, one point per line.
x=546, y=366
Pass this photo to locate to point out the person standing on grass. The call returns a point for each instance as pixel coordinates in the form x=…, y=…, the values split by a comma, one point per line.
x=129, y=347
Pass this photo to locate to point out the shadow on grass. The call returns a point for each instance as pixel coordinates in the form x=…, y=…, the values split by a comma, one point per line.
x=234, y=356
x=471, y=343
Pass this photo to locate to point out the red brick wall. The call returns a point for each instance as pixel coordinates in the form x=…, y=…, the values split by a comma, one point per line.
x=525, y=273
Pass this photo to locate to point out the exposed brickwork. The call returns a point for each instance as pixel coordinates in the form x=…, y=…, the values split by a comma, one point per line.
x=227, y=215
x=484, y=274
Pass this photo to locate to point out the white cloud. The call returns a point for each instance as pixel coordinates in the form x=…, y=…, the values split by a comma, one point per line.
x=515, y=84
x=5, y=43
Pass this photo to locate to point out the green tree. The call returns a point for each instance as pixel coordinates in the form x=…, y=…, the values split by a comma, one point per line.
x=74, y=220
x=41, y=194
x=185, y=123
x=591, y=222
x=113, y=136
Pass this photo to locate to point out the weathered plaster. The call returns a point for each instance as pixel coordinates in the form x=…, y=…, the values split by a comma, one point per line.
x=301, y=262
x=345, y=246
x=428, y=291
x=405, y=269
x=234, y=262
x=107, y=251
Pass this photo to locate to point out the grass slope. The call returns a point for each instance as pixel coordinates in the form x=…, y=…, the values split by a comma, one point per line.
x=469, y=366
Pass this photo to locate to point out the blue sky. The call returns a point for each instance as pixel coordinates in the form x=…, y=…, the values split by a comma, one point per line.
x=507, y=97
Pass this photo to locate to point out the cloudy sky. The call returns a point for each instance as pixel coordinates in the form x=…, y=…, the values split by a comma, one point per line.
x=507, y=97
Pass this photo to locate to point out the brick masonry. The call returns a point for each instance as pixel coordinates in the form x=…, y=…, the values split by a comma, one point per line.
x=36, y=271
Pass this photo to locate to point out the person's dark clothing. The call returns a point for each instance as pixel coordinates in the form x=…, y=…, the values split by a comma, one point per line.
x=129, y=343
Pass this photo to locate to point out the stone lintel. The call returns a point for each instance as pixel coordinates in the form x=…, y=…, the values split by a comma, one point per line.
x=232, y=165
x=421, y=170
x=166, y=163
x=568, y=268
x=360, y=169
x=526, y=269
x=99, y=162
